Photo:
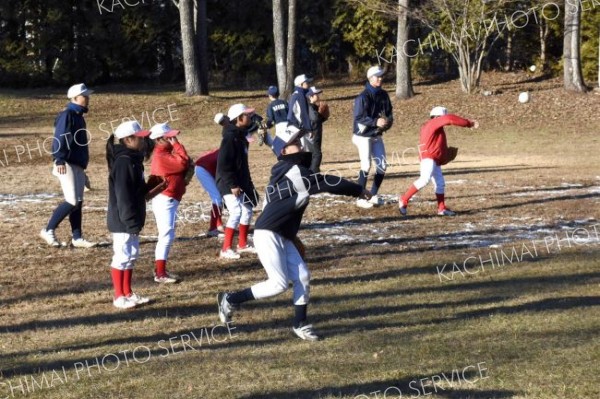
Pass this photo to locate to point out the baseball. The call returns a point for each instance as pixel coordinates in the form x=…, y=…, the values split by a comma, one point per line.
x=532, y=68
x=524, y=97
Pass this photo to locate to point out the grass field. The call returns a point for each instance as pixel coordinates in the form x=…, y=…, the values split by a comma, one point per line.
x=501, y=301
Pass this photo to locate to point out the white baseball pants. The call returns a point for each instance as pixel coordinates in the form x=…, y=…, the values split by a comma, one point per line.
x=208, y=182
x=240, y=211
x=283, y=263
x=370, y=148
x=165, y=213
x=72, y=183
x=126, y=249
x=430, y=170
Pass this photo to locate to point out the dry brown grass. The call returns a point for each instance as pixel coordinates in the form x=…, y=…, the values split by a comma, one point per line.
x=531, y=170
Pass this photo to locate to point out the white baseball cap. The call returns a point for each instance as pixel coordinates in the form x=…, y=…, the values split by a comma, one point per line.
x=298, y=80
x=285, y=138
x=313, y=90
x=374, y=71
x=219, y=118
x=130, y=128
x=237, y=109
x=162, y=130
x=438, y=111
x=80, y=89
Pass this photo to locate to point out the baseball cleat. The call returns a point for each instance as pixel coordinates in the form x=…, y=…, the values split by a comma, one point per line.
x=123, y=303
x=402, y=207
x=247, y=249
x=363, y=203
x=306, y=332
x=49, y=237
x=446, y=212
x=167, y=278
x=229, y=254
x=376, y=200
x=225, y=308
x=82, y=243
x=138, y=300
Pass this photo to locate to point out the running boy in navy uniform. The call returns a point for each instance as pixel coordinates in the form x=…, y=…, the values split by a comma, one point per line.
x=287, y=196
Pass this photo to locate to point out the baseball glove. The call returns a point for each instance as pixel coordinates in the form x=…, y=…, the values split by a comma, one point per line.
x=155, y=185
x=191, y=170
x=450, y=155
x=300, y=247
x=323, y=110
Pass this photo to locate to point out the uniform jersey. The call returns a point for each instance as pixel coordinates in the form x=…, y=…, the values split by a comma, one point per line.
x=277, y=112
x=432, y=142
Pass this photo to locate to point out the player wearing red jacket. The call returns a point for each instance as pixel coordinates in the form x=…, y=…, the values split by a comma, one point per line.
x=171, y=161
x=433, y=153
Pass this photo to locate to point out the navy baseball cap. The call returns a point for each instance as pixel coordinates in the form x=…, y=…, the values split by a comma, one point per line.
x=273, y=91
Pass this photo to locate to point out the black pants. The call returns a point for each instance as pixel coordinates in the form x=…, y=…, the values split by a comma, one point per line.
x=317, y=155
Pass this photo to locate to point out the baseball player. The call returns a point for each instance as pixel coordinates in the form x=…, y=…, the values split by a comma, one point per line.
x=372, y=117
x=170, y=161
x=318, y=113
x=206, y=170
x=287, y=196
x=71, y=156
x=433, y=153
x=277, y=112
x=234, y=180
x=126, y=207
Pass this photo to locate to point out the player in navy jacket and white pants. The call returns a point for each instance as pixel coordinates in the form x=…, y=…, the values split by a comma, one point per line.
x=71, y=156
x=287, y=196
x=372, y=116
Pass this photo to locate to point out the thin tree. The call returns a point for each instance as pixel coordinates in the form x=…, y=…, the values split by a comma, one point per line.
x=280, y=50
x=404, y=88
x=573, y=77
x=188, y=43
x=201, y=28
x=285, y=55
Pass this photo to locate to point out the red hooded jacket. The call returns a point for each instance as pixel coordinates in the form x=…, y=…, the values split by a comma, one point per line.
x=208, y=161
x=171, y=162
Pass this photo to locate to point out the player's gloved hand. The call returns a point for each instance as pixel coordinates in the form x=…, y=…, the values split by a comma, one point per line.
x=382, y=122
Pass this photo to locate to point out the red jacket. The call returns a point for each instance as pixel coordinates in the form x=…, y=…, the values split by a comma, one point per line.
x=432, y=143
x=208, y=161
x=171, y=162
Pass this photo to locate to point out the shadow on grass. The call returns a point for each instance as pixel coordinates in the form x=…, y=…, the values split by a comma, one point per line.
x=107, y=360
x=397, y=388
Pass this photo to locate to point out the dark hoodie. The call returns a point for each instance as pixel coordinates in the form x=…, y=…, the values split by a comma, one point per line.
x=232, y=165
x=126, y=192
x=287, y=194
x=70, y=142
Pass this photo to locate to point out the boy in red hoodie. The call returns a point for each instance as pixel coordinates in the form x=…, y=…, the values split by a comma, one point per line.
x=171, y=161
x=433, y=153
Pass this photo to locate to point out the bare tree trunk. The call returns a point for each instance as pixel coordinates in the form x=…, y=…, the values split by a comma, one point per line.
x=404, y=89
x=190, y=59
x=598, y=57
x=202, y=42
x=508, y=53
x=279, y=39
x=573, y=79
x=544, y=30
x=291, y=47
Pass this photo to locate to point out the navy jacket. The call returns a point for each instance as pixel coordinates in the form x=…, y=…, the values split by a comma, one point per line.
x=232, y=164
x=277, y=112
x=298, y=109
x=126, y=192
x=370, y=105
x=70, y=142
x=287, y=194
